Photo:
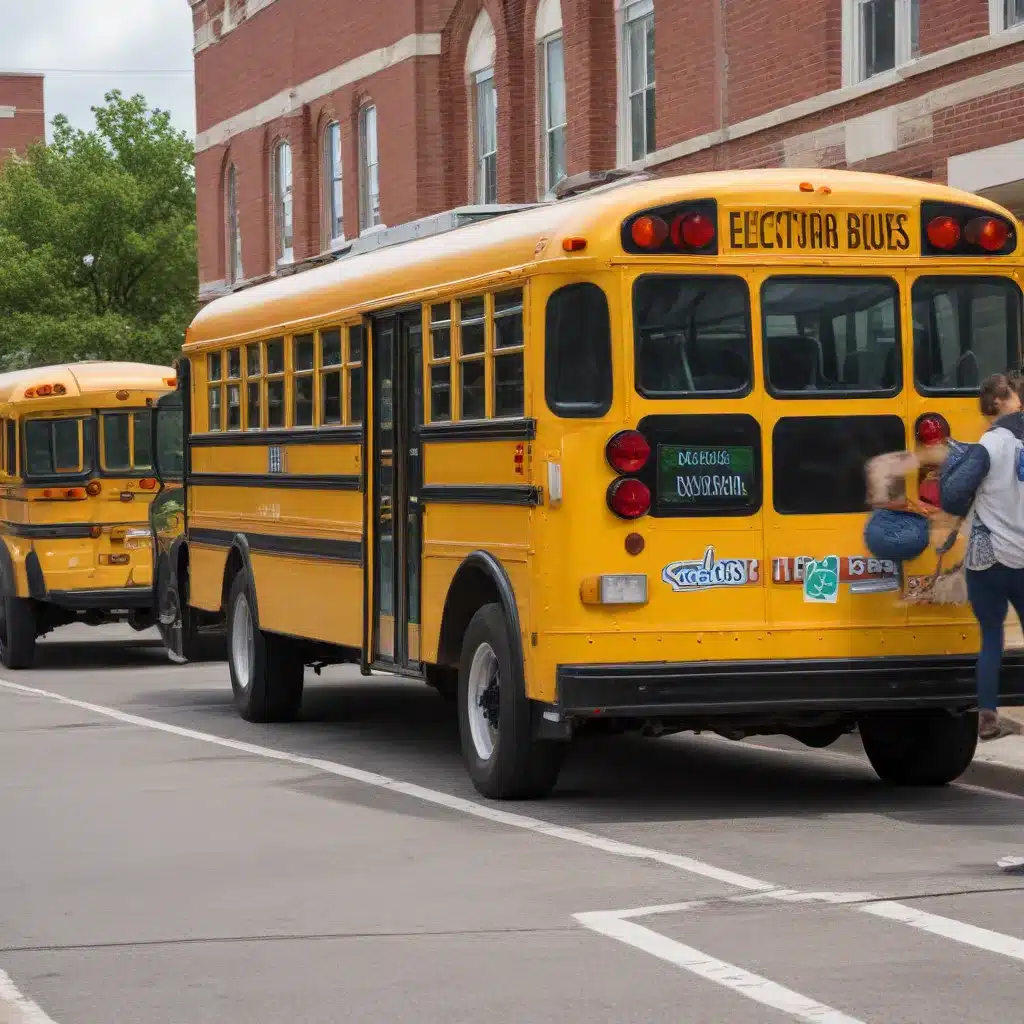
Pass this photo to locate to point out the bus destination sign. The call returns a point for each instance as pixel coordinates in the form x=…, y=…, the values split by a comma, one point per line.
x=853, y=232
x=693, y=475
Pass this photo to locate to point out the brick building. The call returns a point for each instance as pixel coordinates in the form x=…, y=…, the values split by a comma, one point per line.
x=320, y=120
x=22, y=120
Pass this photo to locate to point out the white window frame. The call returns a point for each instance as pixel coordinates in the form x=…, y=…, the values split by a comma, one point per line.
x=629, y=12
x=333, y=186
x=369, y=170
x=284, y=204
x=547, y=129
x=485, y=156
x=234, y=229
x=853, y=39
x=997, y=18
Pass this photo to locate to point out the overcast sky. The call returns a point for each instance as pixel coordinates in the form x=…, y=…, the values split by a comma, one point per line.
x=109, y=39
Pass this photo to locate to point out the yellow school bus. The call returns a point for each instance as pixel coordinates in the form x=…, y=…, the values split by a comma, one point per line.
x=599, y=464
x=76, y=480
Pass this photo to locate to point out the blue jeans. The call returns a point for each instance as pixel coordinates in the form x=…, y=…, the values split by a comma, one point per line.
x=991, y=591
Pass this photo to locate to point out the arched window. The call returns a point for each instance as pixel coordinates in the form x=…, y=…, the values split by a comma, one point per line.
x=333, y=213
x=283, y=203
x=234, y=231
x=369, y=172
x=636, y=77
x=551, y=62
x=480, y=54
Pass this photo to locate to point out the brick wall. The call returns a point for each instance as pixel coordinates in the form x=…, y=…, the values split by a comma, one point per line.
x=719, y=64
x=26, y=123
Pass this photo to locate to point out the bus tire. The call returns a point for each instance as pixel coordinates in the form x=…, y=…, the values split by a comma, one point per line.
x=924, y=748
x=18, y=632
x=266, y=675
x=502, y=756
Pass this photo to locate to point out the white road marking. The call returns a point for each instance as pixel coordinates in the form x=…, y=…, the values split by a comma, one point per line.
x=948, y=928
x=16, y=1008
x=432, y=796
x=615, y=925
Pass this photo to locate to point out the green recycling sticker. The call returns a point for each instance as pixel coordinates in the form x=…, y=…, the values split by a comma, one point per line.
x=821, y=580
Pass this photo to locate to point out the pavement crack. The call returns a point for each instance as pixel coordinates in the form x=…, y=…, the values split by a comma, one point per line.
x=198, y=940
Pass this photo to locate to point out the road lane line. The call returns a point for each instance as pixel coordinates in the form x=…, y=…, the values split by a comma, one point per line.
x=431, y=796
x=16, y=1008
x=745, y=983
x=993, y=941
x=948, y=928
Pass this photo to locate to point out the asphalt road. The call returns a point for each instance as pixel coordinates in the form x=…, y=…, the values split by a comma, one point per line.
x=163, y=861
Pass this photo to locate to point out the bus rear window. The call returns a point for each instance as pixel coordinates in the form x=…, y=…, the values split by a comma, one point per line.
x=126, y=442
x=834, y=335
x=57, y=447
x=691, y=336
x=965, y=328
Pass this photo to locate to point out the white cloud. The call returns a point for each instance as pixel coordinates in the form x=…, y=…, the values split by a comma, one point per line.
x=110, y=38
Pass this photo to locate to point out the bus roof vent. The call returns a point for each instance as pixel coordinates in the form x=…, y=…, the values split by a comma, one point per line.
x=439, y=223
x=598, y=181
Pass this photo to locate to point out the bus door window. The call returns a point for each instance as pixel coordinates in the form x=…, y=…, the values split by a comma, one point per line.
x=834, y=335
x=440, y=359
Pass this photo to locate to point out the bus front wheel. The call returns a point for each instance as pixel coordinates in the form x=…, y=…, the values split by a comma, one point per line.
x=922, y=748
x=502, y=756
x=17, y=632
x=266, y=675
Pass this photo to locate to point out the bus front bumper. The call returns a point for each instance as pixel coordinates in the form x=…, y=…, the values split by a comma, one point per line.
x=778, y=688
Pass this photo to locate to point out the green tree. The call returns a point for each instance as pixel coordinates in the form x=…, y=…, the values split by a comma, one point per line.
x=98, y=241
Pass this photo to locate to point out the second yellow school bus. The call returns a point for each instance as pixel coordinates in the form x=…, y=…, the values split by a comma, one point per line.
x=602, y=461
x=76, y=480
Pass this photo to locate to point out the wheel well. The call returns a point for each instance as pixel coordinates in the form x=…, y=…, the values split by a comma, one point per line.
x=470, y=590
x=235, y=565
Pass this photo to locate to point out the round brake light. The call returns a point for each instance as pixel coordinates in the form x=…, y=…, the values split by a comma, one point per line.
x=693, y=231
x=629, y=498
x=931, y=429
x=988, y=232
x=944, y=232
x=627, y=451
x=649, y=232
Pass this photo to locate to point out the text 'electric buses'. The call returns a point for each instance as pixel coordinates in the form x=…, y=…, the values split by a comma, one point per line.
x=76, y=480
x=602, y=461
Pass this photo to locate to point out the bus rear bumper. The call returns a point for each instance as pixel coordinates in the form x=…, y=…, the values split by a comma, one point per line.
x=778, y=688
x=106, y=599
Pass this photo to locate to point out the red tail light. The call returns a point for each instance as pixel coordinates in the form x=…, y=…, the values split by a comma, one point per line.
x=987, y=232
x=627, y=451
x=629, y=498
x=944, y=232
x=148, y=483
x=931, y=428
x=693, y=231
x=649, y=232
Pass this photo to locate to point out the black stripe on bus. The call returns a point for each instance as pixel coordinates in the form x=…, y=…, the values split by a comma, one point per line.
x=287, y=481
x=296, y=435
x=349, y=551
x=480, y=494
x=480, y=430
x=51, y=531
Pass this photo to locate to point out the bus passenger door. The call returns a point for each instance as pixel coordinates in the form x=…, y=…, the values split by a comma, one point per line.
x=395, y=478
x=167, y=511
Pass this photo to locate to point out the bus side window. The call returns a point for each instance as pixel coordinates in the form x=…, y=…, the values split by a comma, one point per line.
x=578, y=352
x=12, y=447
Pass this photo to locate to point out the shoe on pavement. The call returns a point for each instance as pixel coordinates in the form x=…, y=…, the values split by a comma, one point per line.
x=988, y=725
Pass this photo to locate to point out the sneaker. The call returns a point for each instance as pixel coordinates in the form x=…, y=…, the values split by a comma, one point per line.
x=988, y=725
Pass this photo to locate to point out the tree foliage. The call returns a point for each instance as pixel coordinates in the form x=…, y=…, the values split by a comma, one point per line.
x=97, y=241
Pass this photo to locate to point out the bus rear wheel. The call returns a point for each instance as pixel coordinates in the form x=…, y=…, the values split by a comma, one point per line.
x=502, y=756
x=922, y=748
x=17, y=632
x=266, y=675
